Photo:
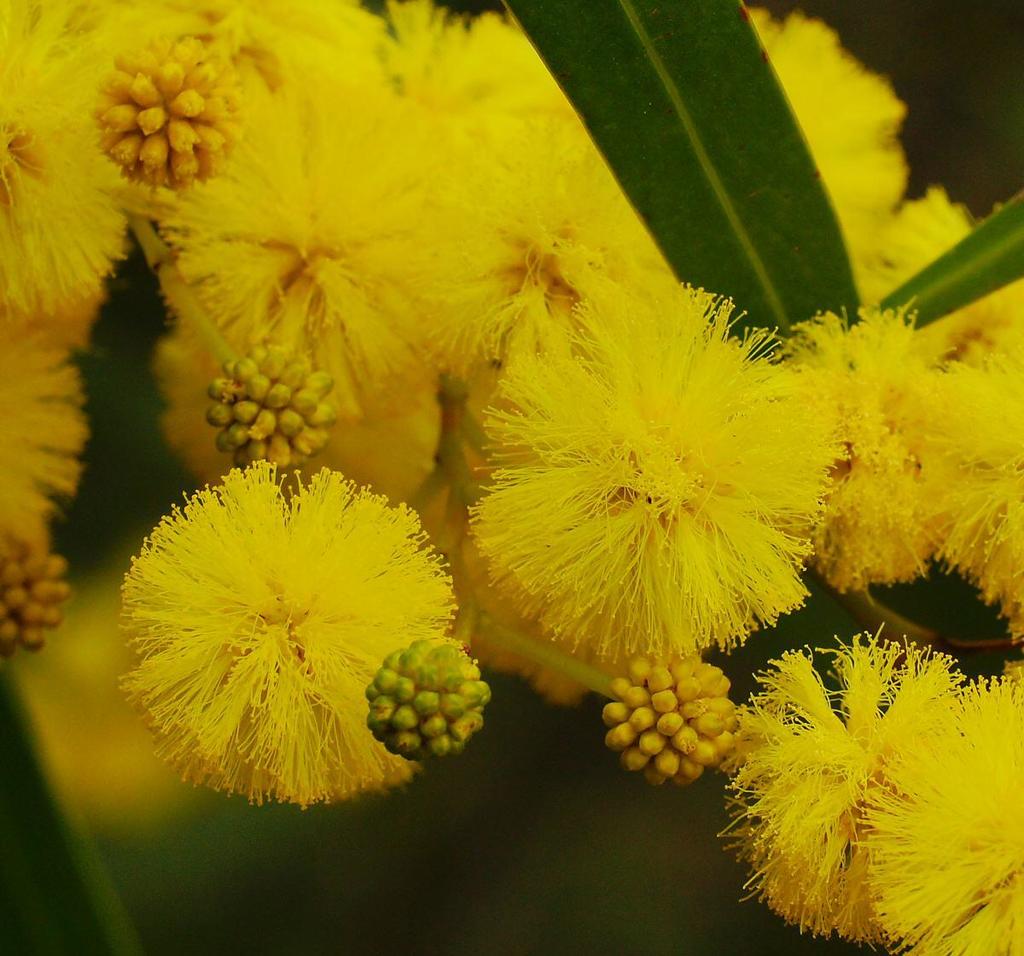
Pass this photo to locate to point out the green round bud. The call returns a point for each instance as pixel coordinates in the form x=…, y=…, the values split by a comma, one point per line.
x=427, y=700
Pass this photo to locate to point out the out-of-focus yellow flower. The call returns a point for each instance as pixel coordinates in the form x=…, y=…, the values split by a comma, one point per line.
x=32, y=591
x=808, y=761
x=44, y=429
x=918, y=234
x=473, y=75
x=522, y=240
x=309, y=236
x=391, y=448
x=656, y=494
x=59, y=228
x=947, y=842
x=270, y=42
x=882, y=518
x=101, y=757
x=851, y=118
x=979, y=441
x=259, y=619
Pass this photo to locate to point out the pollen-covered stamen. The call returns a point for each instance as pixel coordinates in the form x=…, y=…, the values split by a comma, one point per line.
x=169, y=113
x=427, y=700
x=32, y=590
x=671, y=720
x=271, y=405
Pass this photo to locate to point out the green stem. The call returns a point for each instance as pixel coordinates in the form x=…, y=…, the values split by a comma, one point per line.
x=547, y=654
x=178, y=293
x=873, y=614
x=54, y=894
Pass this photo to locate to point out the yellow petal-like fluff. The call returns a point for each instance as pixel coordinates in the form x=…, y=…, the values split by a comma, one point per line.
x=525, y=237
x=979, y=444
x=947, y=839
x=882, y=519
x=808, y=761
x=851, y=118
x=657, y=492
x=59, y=227
x=258, y=620
x=308, y=236
x=918, y=234
x=43, y=431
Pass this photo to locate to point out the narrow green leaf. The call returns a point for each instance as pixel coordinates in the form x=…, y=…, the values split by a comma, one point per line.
x=681, y=99
x=990, y=257
x=54, y=895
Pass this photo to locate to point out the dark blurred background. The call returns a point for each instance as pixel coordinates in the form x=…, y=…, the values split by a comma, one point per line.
x=534, y=841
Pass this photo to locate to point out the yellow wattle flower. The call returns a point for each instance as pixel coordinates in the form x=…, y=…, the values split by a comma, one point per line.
x=472, y=75
x=60, y=230
x=921, y=231
x=946, y=841
x=258, y=619
x=979, y=446
x=309, y=236
x=882, y=518
x=851, y=118
x=525, y=237
x=808, y=762
x=654, y=493
x=168, y=113
x=44, y=430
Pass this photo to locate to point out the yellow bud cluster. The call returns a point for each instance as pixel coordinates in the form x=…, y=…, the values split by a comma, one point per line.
x=168, y=114
x=32, y=589
x=271, y=406
x=671, y=720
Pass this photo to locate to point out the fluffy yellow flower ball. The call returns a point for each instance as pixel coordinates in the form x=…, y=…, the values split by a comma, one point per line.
x=524, y=238
x=980, y=449
x=44, y=429
x=881, y=522
x=271, y=43
x=655, y=494
x=473, y=75
x=851, y=118
x=947, y=840
x=308, y=236
x=258, y=620
x=59, y=227
x=808, y=761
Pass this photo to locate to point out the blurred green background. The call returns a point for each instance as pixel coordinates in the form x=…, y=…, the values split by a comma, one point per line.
x=534, y=841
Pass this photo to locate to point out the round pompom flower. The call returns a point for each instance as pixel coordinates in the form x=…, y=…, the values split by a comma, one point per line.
x=472, y=74
x=522, y=239
x=258, y=620
x=809, y=759
x=60, y=229
x=307, y=236
x=656, y=493
x=881, y=519
x=946, y=837
x=979, y=445
x=44, y=429
x=851, y=118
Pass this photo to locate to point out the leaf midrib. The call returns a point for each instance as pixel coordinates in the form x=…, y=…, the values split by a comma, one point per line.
x=717, y=186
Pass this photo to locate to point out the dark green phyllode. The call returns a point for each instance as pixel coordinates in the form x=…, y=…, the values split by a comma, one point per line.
x=427, y=700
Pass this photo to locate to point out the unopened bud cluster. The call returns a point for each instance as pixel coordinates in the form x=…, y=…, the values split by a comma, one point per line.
x=168, y=113
x=271, y=406
x=32, y=590
x=671, y=720
x=427, y=700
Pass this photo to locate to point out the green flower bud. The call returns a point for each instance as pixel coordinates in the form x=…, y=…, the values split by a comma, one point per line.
x=426, y=700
